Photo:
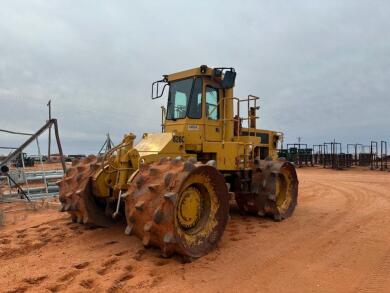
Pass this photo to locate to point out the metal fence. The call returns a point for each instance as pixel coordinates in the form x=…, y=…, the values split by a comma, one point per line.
x=336, y=156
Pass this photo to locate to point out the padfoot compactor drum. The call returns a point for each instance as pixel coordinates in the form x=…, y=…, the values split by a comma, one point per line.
x=173, y=188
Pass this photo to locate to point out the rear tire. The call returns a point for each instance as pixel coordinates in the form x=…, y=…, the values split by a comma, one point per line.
x=274, y=191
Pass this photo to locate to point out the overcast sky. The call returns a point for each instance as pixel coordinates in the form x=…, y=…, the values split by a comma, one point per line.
x=322, y=68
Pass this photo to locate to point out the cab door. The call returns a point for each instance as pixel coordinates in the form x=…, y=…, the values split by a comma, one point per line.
x=213, y=125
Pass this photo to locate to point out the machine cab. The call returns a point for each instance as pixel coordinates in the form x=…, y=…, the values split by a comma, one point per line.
x=201, y=116
x=194, y=104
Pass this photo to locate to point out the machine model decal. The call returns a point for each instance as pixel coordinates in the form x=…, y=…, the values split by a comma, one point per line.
x=178, y=139
x=192, y=127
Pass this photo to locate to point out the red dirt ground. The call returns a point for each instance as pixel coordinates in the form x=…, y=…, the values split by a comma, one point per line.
x=337, y=241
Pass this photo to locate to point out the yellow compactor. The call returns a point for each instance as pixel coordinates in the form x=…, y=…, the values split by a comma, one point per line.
x=173, y=188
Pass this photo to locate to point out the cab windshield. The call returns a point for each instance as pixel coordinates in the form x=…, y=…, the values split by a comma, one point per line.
x=185, y=99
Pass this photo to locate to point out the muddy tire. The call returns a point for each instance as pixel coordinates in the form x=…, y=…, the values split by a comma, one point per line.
x=75, y=193
x=179, y=206
x=274, y=190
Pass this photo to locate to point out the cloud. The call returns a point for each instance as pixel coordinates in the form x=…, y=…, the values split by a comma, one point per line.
x=321, y=68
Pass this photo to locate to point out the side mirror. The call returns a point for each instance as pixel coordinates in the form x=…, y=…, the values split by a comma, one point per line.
x=157, y=92
x=228, y=79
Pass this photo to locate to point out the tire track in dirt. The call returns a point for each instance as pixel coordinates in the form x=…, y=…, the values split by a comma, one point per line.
x=377, y=190
x=118, y=267
x=379, y=275
x=340, y=229
x=312, y=192
x=277, y=253
x=27, y=240
x=317, y=241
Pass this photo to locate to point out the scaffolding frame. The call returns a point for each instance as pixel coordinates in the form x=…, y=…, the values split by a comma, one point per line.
x=19, y=151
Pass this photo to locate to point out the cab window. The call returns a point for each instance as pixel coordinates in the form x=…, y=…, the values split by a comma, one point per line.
x=212, y=111
x=179, y=94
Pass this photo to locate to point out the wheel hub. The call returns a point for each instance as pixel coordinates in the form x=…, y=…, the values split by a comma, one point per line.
x=282, y=196
x=189, y=208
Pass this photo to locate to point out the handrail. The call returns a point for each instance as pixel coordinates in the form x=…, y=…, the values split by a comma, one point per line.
x=232, y=119
x=247, y=118
x=163, y=115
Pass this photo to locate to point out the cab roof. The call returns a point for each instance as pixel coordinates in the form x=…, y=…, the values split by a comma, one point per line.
x=197, y=71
